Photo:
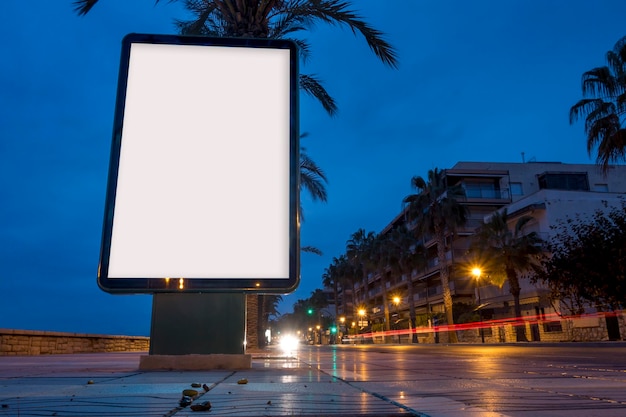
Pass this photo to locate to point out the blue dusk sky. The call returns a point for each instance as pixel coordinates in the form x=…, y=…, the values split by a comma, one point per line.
x=478, y=80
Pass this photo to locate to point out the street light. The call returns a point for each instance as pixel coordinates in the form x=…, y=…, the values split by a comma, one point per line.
x=361, y=312
x=396, y=301
x=342, y=329
x=477, y=272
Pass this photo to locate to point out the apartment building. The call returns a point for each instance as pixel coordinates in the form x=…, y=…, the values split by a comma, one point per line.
x=546, y=191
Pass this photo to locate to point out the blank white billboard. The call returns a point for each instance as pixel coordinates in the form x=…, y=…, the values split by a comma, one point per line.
x=203, y=176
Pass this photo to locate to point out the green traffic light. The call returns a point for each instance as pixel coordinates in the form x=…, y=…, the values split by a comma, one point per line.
x=333, y=329
x=310, y=311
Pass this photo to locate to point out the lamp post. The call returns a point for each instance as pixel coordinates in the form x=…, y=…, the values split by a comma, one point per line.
x=396, y=301
x=361, y=313
x=342, y=329
x=477, y=272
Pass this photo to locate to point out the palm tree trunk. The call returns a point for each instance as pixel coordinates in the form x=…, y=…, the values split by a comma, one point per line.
x=385, y=308
x=411, y=300
x=262, y=321
x=336, y=295
x=445, y=284
x=252, y=318
x=515, y=290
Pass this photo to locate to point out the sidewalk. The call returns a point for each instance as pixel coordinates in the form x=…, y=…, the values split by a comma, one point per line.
x=109, y=384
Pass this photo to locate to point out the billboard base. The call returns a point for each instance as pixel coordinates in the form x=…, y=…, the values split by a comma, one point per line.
x=194, y=362
x=198, y=324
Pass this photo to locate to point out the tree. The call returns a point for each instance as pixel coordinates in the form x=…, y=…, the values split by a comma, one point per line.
x=407, y=256
x=587, y=261
x=347, y=275
x=359, y=250
x=330, y=279
x=268, y=308
x=507, y=253
x=381, y=257
x=604, y=106
x=275, y=19
x=435, y=210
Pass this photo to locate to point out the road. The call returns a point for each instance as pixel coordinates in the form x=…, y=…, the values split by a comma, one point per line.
x=487, y=380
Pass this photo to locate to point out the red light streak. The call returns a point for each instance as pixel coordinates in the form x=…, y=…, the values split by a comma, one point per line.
x=485, y=324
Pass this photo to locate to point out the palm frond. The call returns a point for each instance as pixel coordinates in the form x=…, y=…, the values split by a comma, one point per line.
x=601, y=111
x=312, y=249
x=600, y=82
x=312, y=178
x=203, y=24
x=313, y=87
x=616, y=58
x=337, y=12
x=82, y=7
x=584, y=107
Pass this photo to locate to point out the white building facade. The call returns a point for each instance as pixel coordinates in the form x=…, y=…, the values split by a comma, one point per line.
x=549, y=192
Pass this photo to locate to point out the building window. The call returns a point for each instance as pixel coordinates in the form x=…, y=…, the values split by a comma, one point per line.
x=572, y=181
x=552, y=327
x=601, y=188
x=516, y=188
x=481, y=190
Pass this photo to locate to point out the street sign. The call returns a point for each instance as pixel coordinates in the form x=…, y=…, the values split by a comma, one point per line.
x=202, y=193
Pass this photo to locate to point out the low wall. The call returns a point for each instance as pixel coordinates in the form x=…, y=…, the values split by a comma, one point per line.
x=33, y=342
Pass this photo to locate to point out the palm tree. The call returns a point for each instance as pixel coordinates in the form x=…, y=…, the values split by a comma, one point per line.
x=408, y=255
x=359, y=252
x=381, y=257
x=507, y=253
x=268, y=307
x=604, y=106
x=330, y=279
x=435, y=210
x=276, y=19
x=348, y=275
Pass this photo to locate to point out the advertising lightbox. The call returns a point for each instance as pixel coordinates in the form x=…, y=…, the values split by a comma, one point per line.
x=202, y=193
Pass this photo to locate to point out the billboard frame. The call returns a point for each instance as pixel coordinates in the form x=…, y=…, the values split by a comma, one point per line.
x=172, y=282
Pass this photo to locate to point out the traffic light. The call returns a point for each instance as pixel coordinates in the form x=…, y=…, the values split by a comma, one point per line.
x=333, y=329
x=309, y=311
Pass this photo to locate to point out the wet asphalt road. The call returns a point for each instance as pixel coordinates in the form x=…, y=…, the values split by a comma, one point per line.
x=515, y=380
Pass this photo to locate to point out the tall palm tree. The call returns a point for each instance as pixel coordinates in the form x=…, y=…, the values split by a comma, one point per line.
x=508, y=253
x=268, y=308
x=408, y=255
x=604, y=107
x=381, y=257
x=330, y=279
x=276, y=19
x=435, y=210
x=359, y=252
x=348, y=276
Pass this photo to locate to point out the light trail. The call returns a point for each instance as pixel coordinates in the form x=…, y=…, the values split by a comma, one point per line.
x=485, y=324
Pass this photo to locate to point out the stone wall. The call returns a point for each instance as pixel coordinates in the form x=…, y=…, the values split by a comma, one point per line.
x=33, y=342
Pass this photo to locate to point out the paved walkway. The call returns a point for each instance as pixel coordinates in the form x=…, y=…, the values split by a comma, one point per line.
x=109, y=384
x=432, y=381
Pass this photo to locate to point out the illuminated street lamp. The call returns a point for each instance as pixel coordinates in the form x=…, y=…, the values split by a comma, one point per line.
x=477, y=272
x=396, y=301
x=361, y=312
x=342, y=329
